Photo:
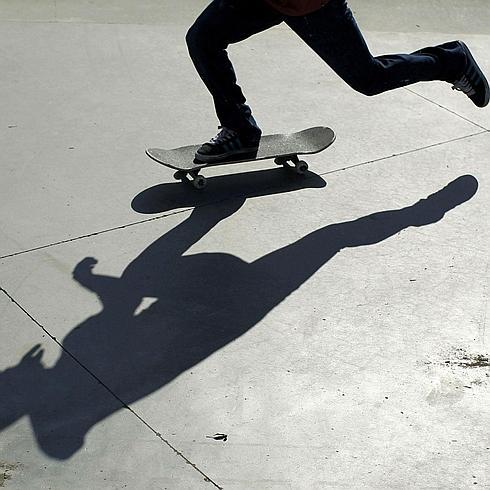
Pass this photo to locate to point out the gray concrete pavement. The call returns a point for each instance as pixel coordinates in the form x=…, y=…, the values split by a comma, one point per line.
x=333, y=327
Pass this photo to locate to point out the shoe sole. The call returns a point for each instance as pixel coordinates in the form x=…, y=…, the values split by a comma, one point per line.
x=225, y=156
x=480, y=73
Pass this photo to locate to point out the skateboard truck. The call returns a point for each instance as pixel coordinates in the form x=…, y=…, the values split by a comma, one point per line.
x=299, y=166
x=198, y=181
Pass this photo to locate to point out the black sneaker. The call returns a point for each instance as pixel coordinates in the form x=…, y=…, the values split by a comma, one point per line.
x=227, y=145
x=472, y=81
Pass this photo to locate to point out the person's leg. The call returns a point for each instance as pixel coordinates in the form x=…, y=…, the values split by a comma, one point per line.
x=333, y=34
x=222, y=23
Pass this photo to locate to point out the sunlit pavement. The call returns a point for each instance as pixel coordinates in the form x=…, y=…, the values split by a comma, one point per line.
x=272, y=331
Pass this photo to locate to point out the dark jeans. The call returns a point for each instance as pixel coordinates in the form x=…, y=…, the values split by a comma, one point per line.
x=331, y=32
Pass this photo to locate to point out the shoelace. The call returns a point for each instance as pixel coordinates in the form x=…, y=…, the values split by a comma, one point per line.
x=464, y=85
x=224, y=135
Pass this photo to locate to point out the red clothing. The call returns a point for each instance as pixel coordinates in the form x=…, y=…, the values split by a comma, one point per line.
x=297, y=7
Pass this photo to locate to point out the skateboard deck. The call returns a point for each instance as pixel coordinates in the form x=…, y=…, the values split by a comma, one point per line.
x=284, y=148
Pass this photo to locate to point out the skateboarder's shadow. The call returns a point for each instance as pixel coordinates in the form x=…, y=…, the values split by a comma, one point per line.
x=203, y=302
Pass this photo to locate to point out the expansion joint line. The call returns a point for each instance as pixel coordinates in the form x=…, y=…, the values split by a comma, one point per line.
x=96, y=233
x=445, y=108
x=116, y=228
x=120, y=400
x=415, y=150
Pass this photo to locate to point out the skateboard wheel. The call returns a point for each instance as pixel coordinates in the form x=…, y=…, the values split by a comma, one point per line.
x=280, y=161
x=199, y=182
x=179, y=175
x=301, y=167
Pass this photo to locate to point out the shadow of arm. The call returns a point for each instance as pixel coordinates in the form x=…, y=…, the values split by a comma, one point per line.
x=292, y=265
x=166, y=250
x=83, y=274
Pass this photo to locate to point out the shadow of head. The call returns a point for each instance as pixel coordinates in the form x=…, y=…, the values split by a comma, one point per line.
x=17, y=386
x=56, y=401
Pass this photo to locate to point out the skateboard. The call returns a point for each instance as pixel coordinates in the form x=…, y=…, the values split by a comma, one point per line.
x=283, y=148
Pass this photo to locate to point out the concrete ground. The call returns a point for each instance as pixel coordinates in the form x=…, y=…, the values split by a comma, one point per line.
x=334, y=327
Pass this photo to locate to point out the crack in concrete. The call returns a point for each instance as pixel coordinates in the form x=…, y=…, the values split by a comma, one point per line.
x=89, y=235
x=414, y=150
x=120, y=400
x=445, y=108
